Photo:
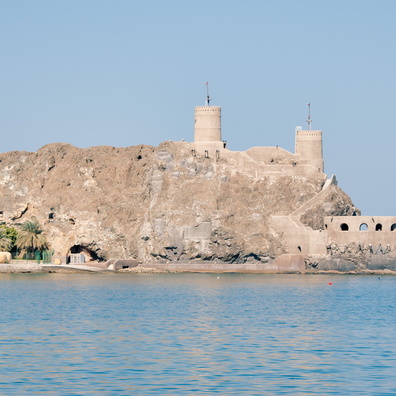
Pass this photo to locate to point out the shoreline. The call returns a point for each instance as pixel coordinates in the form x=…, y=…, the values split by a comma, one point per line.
x=34, y=268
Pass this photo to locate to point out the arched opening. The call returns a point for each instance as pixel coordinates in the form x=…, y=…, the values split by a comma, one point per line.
x=393, y=227
x=378, y=227
x=363, y=227
x=344, y=227
x=89, y=255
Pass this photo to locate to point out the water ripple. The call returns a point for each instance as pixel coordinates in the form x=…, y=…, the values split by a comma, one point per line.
x=167, y=334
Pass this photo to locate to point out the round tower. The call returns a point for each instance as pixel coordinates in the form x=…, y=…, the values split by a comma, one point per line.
x=309, y=147
x=207, y=124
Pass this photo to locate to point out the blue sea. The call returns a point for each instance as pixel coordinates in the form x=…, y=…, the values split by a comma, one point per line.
x=197, y=334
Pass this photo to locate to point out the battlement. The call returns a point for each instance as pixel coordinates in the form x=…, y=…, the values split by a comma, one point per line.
x=207, y=109
x=309, y=134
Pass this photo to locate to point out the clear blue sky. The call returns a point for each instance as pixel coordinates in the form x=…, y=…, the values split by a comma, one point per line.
x=128, y=72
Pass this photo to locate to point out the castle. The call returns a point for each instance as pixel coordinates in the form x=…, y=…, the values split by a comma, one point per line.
x=195, y=206
x=340, y=235
x=307, y=160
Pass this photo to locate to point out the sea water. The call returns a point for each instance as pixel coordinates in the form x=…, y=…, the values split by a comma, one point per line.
x=197, y=334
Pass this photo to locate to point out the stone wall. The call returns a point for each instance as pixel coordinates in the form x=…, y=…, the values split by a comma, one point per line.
x=366, y=230
x=287, y=263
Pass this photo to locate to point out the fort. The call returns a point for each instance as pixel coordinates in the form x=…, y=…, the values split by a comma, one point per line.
x=195, y=206
x=372, y=234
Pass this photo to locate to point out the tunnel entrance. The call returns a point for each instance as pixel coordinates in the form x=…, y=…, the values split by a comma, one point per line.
x=88, y=253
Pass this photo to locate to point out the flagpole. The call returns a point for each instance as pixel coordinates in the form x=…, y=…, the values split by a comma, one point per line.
x=309, y=121
x=207, y=94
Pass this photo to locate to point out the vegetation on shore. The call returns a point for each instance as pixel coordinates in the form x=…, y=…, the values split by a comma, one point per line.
x=8, y=236
x=31, y=236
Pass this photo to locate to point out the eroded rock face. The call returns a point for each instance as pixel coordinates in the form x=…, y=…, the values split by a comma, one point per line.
x=154, y=203
x=356, y=257
x=334, y=203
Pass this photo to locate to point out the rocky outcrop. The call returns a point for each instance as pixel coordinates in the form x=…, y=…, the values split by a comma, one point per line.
x=334, y=203
x=156, y=204
x=339, y=265
x=356, y=257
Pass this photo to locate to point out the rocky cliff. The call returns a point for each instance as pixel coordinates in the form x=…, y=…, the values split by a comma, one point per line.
x=155, y=203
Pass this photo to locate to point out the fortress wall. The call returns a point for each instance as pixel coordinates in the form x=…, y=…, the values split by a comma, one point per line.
x=285, y=164
x=213, y=150
x=300, y=239
x=316, y=165
x=317, y=198
x=286, y=263
x=245, y=161
x=352, y=229
x=289, y=170
x=363, y=237
x=271, y=155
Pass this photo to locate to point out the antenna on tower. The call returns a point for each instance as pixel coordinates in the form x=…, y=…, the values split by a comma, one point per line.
x=207, y=94
x=309, y=121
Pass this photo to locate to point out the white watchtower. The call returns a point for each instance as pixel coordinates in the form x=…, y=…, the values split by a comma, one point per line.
x=309, y=148
x=207, y=124
x=207, y=129
x=207, y=121
x=309, y=145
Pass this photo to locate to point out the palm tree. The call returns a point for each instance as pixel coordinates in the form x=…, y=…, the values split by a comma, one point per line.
x=5, y=242
x=31, y=236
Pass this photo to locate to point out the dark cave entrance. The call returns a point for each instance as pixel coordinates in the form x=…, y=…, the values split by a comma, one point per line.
x=89, y=254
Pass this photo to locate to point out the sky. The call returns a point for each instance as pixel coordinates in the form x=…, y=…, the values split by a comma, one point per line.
x=129, y=72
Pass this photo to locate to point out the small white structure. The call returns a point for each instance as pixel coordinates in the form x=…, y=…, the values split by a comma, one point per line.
x=76, y=258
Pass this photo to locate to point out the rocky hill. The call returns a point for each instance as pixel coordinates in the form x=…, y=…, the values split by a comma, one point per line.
x=155, y=203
